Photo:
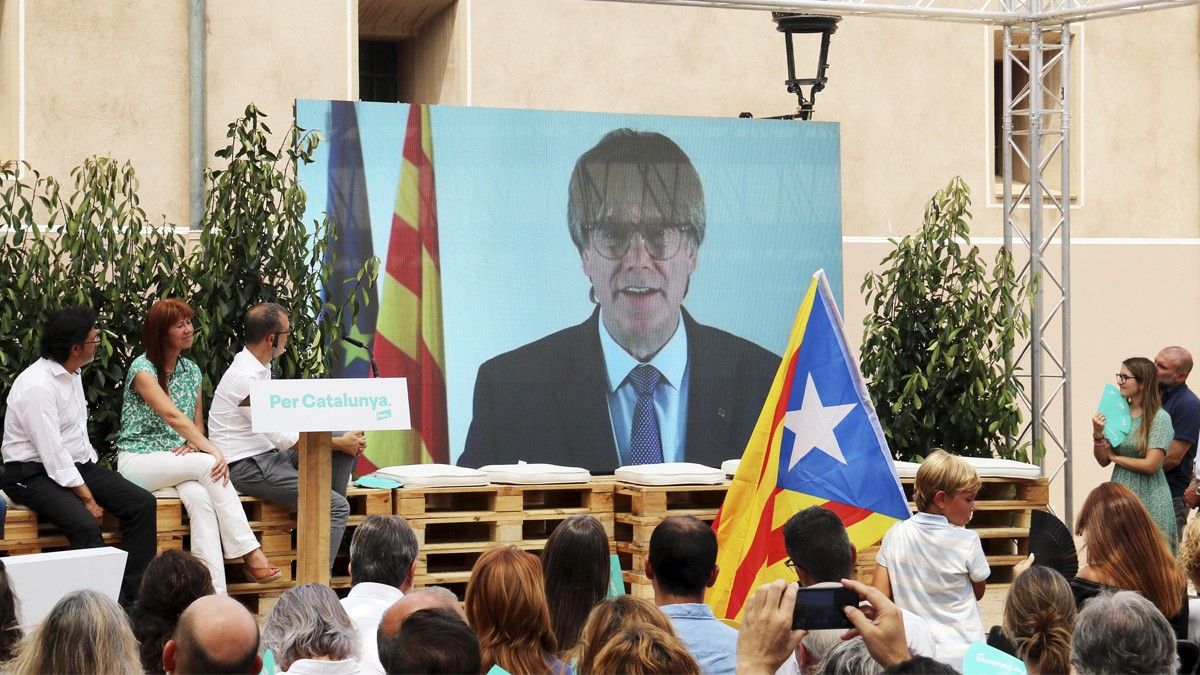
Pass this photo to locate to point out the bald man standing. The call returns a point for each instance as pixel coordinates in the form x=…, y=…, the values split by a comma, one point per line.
x=1173, y=365
x=215, y=634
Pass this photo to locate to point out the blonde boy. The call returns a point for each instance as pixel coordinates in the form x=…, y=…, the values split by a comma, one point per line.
x=933, y=566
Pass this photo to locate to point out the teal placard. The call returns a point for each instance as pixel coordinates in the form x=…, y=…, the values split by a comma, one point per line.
x=616, y=581
x=377, y=482
x=982, y=659
x=1115, y=409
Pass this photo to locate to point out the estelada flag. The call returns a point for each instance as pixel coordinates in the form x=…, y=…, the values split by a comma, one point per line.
x=817, y=443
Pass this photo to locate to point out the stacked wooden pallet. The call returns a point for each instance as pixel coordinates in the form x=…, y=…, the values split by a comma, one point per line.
x=455, y=525
x=274, y=526
x=638, y=509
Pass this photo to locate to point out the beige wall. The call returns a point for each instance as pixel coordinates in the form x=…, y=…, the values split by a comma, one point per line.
x=112, y=79
x=435, y=61
x=9, y=70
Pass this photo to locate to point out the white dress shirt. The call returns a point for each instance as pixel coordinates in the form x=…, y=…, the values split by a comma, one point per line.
x=670, y=397
x=229, y=423
x=47, y=422
x=366, y=603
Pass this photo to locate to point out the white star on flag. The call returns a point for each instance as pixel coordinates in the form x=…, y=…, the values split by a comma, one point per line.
x=813, y=425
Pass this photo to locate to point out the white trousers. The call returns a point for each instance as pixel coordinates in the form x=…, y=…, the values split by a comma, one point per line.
x=217, y=519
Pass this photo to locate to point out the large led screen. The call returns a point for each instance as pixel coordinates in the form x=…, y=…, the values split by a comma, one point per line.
x=532, y=260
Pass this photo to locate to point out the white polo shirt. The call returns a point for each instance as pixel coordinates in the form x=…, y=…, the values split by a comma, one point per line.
x=932, y=565
x=47, y=422
x=229, y=422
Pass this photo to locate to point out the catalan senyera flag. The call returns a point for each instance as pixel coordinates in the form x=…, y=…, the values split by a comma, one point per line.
x=408, y=335
x=817, y=443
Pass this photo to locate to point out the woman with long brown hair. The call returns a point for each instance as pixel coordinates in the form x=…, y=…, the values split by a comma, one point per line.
x=576, y=568
x=162, y=444
x=506, y=607
x=1125, y=550
x=610, y=617
x=1139, y=457
x=1039, y=619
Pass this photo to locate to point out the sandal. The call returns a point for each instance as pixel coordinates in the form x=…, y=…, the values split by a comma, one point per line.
x=272, y=574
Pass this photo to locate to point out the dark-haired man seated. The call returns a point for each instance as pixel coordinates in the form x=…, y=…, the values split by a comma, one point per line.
x=434, y=640
x=50, y=465
x=682, y=562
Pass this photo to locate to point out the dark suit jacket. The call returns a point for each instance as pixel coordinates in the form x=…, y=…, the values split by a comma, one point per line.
x=547, y=401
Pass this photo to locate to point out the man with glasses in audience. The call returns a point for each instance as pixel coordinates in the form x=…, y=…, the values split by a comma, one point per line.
x=640, y=381
x=50, y=465
x=821, y=555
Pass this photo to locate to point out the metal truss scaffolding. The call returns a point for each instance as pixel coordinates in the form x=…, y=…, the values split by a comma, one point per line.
x=1036, y=144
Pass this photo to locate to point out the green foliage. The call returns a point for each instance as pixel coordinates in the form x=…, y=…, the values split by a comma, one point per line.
x=96, y=247
x=255, y=244
x=938, y=345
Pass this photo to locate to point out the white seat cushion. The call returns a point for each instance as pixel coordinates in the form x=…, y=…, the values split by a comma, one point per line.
x=730, y=466
x=535, y=474
x=670, y=473
x=986, y=467
x=168, y=492
x=434, y=475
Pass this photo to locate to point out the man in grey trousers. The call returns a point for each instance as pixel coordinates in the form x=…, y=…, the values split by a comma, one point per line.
x=266, y=465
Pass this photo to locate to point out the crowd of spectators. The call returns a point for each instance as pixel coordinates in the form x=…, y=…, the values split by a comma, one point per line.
x=1125, y=611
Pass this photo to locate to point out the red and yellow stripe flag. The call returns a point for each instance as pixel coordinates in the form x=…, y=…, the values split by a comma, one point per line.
x=817, y=443
x=408, y=334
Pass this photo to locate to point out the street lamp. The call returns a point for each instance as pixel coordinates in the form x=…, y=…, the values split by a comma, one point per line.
x=805, y=24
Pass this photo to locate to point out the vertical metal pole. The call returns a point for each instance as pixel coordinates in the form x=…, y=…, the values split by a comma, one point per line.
x=1068, y=473
x=196, y=104
x=1007, y=141
x=1036, y=361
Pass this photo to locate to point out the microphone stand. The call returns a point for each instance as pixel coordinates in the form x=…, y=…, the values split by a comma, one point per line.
x=370, y=354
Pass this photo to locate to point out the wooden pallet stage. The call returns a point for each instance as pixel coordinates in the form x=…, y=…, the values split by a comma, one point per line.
x=455, y=525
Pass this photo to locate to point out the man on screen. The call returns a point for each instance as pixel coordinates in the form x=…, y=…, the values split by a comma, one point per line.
x=640, y=381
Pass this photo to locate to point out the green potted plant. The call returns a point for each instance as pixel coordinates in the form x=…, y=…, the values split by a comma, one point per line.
x=939, y=339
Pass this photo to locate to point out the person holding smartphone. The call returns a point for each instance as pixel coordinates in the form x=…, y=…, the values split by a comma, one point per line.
x=821, y=554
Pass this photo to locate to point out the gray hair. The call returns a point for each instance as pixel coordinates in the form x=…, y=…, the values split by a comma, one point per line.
x=818, y=643
x=309, y=622
x=443, y=597
x=849, y=658
x=85, y=632
x=382, y=551
x=628, y=169
x=1122, y=633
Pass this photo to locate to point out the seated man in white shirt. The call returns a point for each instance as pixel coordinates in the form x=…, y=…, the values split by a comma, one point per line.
x=266, y=465
x=383, y=555
x=820, y=552
x=50, y=465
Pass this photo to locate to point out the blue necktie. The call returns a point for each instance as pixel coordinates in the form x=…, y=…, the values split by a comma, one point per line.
x=645, y=444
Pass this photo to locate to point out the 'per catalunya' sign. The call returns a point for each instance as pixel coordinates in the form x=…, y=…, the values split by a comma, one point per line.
x=329, y=405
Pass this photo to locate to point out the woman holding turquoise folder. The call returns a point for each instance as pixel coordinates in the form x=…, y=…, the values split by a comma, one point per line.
x=1139, y=457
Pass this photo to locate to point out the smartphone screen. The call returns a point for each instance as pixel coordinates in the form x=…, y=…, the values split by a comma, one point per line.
x=821, y=608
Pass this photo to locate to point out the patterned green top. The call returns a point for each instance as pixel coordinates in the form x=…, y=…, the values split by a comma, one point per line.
x=1151, y=488
x=142, y=430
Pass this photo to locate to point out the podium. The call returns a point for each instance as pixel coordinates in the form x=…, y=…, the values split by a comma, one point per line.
x=314, y=407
